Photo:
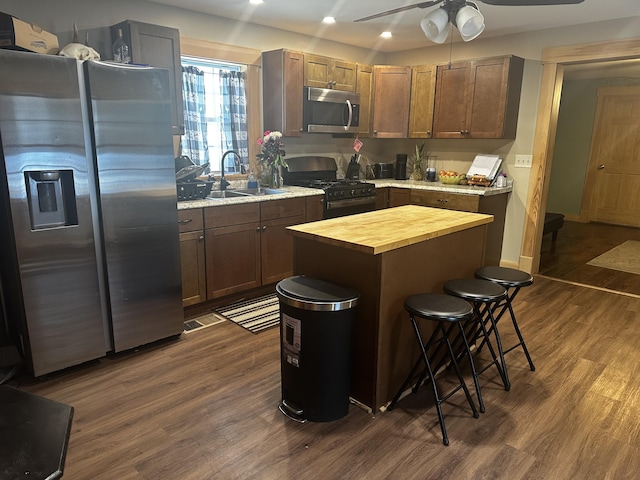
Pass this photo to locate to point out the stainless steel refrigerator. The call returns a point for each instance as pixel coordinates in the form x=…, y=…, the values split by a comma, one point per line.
x=88, y=224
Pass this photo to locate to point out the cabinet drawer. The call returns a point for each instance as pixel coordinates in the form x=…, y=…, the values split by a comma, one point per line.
x=451, y=201
x=231, y=215
x=190, y=220
x=290, y=207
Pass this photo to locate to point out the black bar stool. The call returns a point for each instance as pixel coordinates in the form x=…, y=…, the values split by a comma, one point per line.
x=483, y=294
x=512, y=280
x=448, y=312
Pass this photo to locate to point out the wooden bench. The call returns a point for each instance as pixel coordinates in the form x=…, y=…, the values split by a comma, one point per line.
x=552, y=223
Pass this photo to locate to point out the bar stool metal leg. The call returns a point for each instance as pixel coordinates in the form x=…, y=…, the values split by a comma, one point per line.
x=434, y=307
x=512, y=280
x=483, y=295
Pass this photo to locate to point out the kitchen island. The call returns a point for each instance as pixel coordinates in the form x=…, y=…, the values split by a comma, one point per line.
x=387, y=255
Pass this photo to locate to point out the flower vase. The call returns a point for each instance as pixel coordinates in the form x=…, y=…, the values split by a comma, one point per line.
x=275, y=180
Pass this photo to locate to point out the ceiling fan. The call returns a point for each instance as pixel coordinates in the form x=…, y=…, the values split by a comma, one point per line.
x=464, y=14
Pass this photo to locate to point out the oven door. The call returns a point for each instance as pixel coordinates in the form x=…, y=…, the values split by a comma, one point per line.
x=349, y=206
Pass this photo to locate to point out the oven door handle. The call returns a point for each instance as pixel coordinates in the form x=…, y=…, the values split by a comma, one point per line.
x=350, y=110
x=351, y=202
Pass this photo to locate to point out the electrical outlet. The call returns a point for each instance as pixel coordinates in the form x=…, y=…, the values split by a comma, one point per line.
x=523, y=161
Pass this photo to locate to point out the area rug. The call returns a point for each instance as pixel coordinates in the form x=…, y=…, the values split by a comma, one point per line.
x=625, y=257
x=255, y=315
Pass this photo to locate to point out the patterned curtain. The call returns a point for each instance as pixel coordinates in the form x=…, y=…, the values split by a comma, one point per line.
x=234, y=120
x=194, y=142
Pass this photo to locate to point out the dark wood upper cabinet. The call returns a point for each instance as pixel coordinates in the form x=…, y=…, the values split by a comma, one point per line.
x=423, y=82
x=478, y=98
x=364, y=86
x=391, y=95
x=159, y=47
x=327, y=72
x=282, y=82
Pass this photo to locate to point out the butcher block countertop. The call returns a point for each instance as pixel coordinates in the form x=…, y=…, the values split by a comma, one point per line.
x=389, y=229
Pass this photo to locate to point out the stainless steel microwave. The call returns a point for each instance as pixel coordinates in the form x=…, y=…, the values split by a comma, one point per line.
x=330, y=111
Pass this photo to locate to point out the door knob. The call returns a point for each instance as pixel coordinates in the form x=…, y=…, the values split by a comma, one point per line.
x=601, y=167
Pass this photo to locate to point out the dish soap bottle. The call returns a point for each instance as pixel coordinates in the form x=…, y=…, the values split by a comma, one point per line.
x=120, y=49
x=252, y=182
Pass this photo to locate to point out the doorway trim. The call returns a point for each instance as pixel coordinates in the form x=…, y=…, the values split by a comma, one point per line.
x=554, y=60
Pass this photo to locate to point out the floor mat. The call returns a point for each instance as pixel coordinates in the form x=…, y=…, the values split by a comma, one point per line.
x=625, y=257
x=255, y=315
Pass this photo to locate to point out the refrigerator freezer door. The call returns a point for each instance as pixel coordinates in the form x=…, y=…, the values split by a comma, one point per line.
x=49, y=262
x=136, y=177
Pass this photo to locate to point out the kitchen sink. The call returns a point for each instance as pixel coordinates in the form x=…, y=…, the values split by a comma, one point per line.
x=243, y=192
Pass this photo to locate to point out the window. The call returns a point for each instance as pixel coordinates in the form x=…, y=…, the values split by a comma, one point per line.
x=215, y=114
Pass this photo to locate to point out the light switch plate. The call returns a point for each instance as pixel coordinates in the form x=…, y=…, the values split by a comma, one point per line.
x=523, y=161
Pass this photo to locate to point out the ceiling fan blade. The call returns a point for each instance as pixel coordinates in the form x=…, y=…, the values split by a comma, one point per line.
x=528, y=3
x=400, y=9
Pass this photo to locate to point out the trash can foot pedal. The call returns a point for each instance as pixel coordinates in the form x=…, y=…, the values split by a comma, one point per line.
x=291, y=412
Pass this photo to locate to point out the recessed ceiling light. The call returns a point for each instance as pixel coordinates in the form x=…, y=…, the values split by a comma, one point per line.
x=329, y=20
x=256, y=2
x=386, y=35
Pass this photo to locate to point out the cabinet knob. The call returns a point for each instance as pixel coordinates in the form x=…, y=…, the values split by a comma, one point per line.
x=201, y=238
x=257, y=229
x=264, y=227
x=443, y=200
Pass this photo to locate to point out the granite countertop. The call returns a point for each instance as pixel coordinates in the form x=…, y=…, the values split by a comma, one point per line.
x=294, y=192
x=390, y=228
x=441, y=187
x=287, y=192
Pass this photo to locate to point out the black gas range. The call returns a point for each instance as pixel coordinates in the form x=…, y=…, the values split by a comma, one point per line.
x=342, y=196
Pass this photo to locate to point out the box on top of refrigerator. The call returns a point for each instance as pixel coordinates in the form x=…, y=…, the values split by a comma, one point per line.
x=16, y=34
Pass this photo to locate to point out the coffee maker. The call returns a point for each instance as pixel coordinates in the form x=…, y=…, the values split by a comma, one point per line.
x=401, y=166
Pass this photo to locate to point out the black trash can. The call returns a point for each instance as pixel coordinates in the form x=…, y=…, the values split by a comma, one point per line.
x=316, y=323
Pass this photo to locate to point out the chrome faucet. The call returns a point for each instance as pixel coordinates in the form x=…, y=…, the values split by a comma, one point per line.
x=223, y=183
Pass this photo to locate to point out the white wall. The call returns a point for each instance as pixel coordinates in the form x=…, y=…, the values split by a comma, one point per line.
x=59, y=16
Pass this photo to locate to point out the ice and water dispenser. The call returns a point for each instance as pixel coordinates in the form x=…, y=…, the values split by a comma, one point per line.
x=52, y=198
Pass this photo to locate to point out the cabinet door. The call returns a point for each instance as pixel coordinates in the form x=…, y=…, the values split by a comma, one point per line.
x=392, y=91
x=496, y=85
x=343, y=75
x=423, y=84
x=232, y=258
x=159, y=47
x=192, y=261
x=451, y=100
x=364, y=86
x=382, y=198
x=282, y=79
x=399, y=197
x=326, y=72
x=276, y=247
x=316, y=71
x=315, y=208
x=478, y=98
x=232, y=248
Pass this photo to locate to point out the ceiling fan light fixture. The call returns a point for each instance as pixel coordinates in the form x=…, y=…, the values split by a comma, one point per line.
x=436, y=26
x=470, y=22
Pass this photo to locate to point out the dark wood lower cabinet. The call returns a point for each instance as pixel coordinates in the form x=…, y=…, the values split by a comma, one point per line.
x=247, y=245
x=194, y=286
x=194, y=280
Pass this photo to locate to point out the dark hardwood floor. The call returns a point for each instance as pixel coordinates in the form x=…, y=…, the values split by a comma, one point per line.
x=578, y=243
x=205, y=407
